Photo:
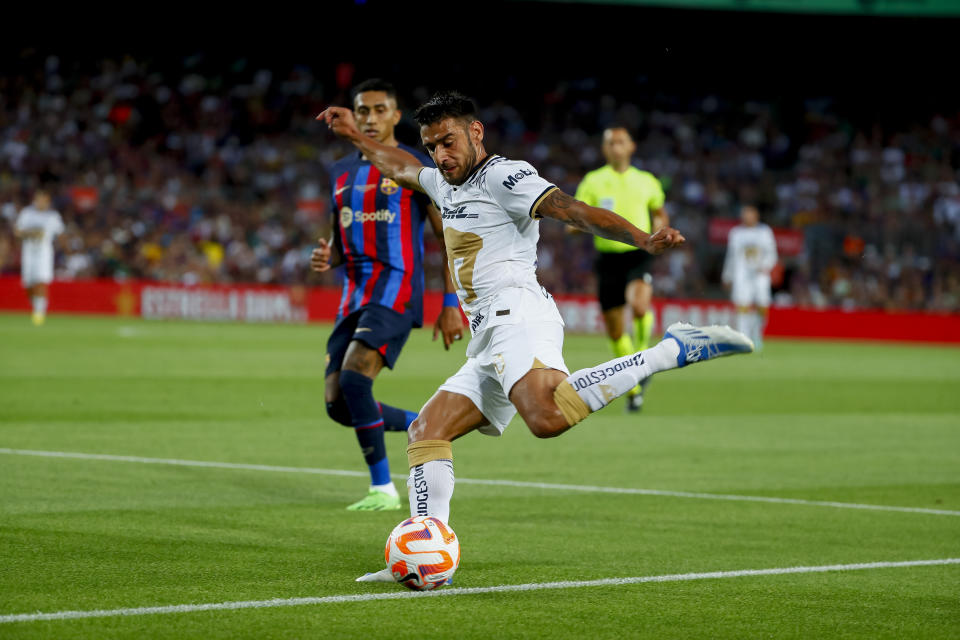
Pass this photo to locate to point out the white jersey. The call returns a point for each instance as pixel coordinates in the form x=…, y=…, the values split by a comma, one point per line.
x=751, y=252
x=37, y=252
x=491, y=234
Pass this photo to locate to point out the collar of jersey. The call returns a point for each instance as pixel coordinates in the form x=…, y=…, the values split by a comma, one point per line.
x=629, y=170
x=480, y=165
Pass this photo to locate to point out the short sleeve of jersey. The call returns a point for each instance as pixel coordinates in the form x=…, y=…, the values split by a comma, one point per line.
x=585, y=191
x=428, y=177
x=657, y=196
x=517, y=187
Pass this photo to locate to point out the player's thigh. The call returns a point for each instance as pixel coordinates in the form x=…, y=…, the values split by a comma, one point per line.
x=338, y=342
x=532, y=395
x=528, y=360
x=361, y=358
x=446, y=416
x=611, y=280
x=762, y=291
x=29, y=274
x=377, y=340
x=741, y=293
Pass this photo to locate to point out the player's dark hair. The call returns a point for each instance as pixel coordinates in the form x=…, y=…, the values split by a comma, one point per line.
x=375, y=84
x=446, y=104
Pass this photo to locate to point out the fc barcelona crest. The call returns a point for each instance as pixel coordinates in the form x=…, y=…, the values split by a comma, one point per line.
x=346, y=217
x=388, y=187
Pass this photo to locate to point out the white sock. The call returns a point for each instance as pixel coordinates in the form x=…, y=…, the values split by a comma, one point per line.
x=385, y=488
x=430, y=488
x=744, y=322
x=600, y=385
x=39, y=304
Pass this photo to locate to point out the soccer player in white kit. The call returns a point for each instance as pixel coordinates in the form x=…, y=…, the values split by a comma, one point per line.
x=490, y=207
x=751, y=256
x=37, y=226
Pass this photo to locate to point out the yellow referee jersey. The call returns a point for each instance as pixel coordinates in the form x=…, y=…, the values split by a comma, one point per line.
x=633, y=194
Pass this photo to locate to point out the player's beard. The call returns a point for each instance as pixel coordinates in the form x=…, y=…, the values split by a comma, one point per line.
x=469, y=163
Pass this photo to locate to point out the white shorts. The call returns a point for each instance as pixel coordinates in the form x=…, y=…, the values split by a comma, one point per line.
x=36, y=271
x=751, y=291
x=505, y=354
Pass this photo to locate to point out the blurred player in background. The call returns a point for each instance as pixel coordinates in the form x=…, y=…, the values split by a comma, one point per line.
x=37, y=226
x=491, y=208
x=624, y=272
x=751, y=256
x=377, y=237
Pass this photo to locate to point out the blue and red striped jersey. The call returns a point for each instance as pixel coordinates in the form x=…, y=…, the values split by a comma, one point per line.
x=378, y=229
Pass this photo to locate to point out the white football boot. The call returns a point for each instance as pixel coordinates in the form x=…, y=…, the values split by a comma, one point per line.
x=706, y=343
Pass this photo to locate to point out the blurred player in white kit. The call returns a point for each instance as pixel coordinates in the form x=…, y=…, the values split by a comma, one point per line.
x=751, y=256
x=37, y=226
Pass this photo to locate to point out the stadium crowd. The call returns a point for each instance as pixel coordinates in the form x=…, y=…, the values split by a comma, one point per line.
x=178, y=173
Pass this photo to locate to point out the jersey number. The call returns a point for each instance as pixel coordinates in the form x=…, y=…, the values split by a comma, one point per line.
x=462, y=250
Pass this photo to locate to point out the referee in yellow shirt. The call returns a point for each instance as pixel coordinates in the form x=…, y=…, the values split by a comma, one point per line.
x=624, y=273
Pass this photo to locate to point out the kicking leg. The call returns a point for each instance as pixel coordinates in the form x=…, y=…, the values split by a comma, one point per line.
x=550, y=402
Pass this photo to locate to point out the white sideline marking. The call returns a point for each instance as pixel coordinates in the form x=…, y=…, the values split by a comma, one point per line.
x=481, y=481
x=401, y=595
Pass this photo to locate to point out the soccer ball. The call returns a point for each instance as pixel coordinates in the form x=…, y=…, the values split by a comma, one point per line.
x=422, y=553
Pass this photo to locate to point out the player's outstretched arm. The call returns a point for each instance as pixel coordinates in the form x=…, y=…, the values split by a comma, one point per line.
x=605, y=224
x=398, y=165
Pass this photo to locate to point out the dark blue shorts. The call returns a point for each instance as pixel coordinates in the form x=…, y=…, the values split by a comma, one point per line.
x=380, y=328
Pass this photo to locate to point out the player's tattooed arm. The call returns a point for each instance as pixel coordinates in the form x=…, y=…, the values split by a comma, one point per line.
x=606, y=224
x=396, y=164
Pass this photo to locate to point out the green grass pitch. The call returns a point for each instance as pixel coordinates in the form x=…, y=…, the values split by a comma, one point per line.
x=853, y=423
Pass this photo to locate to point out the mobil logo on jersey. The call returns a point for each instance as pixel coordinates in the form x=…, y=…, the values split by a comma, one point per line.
x=348, y=216
x=516, y=177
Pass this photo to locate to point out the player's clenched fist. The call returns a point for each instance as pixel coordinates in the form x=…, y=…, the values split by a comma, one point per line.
x=665, y=238
x=340, y=121
x=320, y=257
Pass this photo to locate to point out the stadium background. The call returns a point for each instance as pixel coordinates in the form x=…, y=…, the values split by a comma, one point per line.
x=188, y=153
x=181, y=479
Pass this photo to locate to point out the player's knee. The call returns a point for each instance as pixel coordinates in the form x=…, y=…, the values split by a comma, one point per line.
x=420, y=429
x=415, y=431
x=547, y=424
x=339, y=412
x=354, y=384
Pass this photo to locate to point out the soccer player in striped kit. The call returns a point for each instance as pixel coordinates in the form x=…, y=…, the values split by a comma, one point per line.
x=378, y=239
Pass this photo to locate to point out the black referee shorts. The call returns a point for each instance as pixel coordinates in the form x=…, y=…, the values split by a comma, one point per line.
x=615, y=270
